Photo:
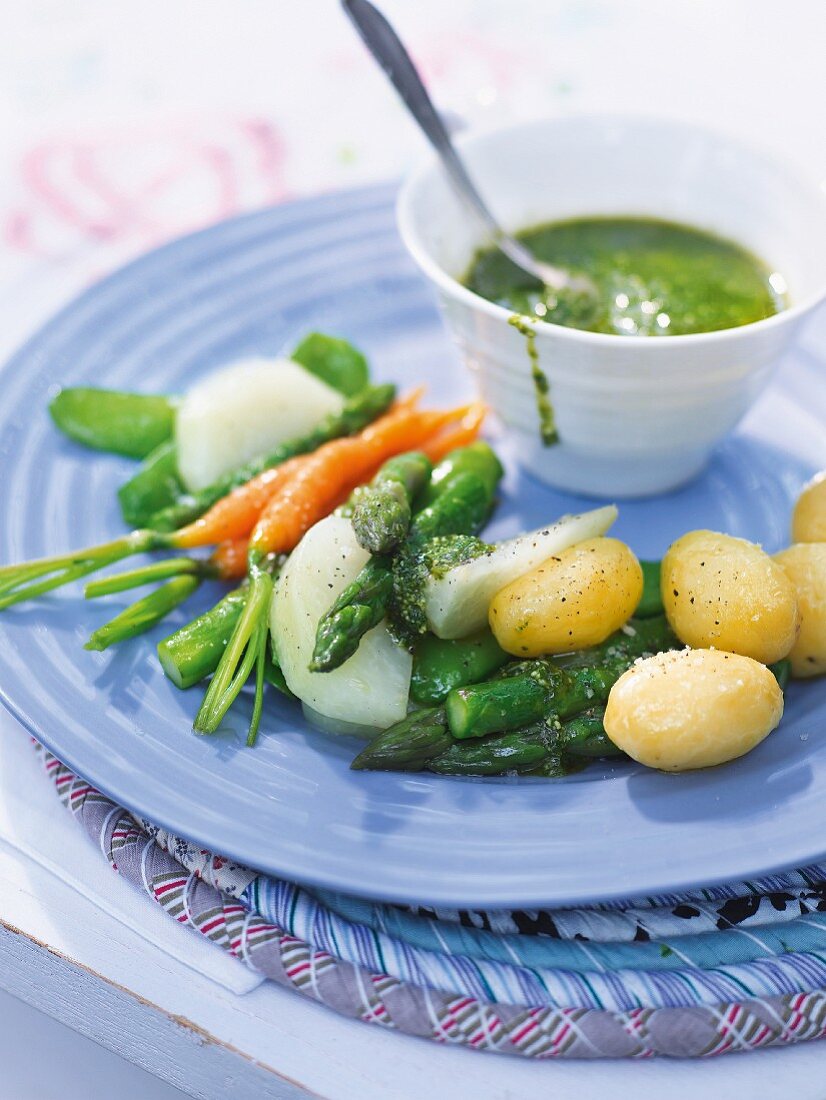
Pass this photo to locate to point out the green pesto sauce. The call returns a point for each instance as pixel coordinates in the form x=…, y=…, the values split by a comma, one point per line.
x=653, y=278
x=541, y=385
x=418, y=561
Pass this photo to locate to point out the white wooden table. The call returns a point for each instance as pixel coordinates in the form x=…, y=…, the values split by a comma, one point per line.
x=285, y=95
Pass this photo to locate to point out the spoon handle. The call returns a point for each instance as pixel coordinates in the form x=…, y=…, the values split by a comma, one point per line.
x=386, y=46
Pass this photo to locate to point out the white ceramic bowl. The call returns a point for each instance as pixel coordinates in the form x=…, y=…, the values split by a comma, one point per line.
x=636, y=415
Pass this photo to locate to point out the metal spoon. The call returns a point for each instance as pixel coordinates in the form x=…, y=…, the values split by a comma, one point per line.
x=387, y=48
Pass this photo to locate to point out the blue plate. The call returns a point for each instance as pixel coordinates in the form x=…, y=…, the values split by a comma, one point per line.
x=291, y=806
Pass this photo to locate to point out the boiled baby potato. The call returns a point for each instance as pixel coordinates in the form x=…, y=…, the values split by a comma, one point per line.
x=809, y=515
x=692, y=708
x=573, y=600
x=805, y=565
x=727, y=593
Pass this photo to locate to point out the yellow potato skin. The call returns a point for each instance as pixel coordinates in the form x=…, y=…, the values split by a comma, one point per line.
x=692, y=708
x=809, y=515
x=571, y=601
x=805, y=565
x=726, y=593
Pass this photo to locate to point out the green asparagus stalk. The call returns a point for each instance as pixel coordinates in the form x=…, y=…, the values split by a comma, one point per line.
x=651, y=601
x=144, y=613
x=584, y=736
x=549, y=749
x=193, y=652
x=782, y=672
x=357, y=413
x=359, y=607
x=408, y=745
x=439, y=666
x=383, y=510
x=540, y=689
x=463, y=500
x=156, y=485
x=130, y=424
x=515, y=751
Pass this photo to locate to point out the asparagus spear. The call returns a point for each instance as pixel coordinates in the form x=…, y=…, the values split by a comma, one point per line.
x=585, y=736
x=651, y=601
x=156, y=485
x=193, y=652
x=439, y=665
x=408, y=745
x=382, y=512
x=131, y=424
x=549, y=749
x=360, y=607
x=357, y=413
x=463, y=500
x=519, y=750
x=534, y=690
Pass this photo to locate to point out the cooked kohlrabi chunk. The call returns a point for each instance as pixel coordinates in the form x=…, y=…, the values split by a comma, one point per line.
x=457, y=602
x=244, y=410
x=369, y=689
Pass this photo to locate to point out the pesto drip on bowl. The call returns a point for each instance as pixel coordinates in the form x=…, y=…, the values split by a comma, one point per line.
x=653, y=278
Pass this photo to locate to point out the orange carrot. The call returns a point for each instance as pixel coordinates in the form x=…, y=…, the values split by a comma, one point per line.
x=234, y=516
x=313, y=491
x=230, y=559
x=458, y=435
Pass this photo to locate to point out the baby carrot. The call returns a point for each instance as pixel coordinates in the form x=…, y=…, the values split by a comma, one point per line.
x=333, y=469
x=458, y=435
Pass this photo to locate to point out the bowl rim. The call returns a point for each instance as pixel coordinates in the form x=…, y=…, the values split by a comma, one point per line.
x=452, y=287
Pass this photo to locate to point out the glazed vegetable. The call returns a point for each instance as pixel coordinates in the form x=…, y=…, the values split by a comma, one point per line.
x=457, y=602
x=651, y=601
x=517, y=751
x=144, y=613
x=407, y=745
x=314, y=488
x=584, y=736
x=356, y=414
x=193, y=652
x=371, y=689
x=382, y=513
x=726, y=593
x=461, y=499
x=334, y=361
x=693, y=708
x=30, y=579
x=809, y=516
x=805, y=566
x=360, y=606
x=539, y=690
x=131, y=424
x=439, y=665
x=244, y=410
x=573, y=600
x=156, y=485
